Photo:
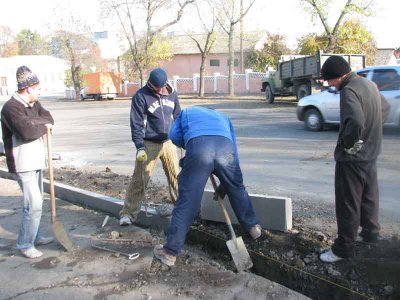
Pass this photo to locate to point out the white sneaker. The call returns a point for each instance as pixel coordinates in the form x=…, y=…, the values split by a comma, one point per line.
x=255, y=231
x=125, y=221
x=44, y=241
x=329, y=257
x=31, y=253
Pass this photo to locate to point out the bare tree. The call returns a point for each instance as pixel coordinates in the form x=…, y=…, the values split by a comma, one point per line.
x=232, y=12
x=204, y=41
x=8, y=43
x=136, y=18
x=320, y=9
x=71, y=40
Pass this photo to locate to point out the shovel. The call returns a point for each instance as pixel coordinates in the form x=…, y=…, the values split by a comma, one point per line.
x=58, y=229
x=236, y=246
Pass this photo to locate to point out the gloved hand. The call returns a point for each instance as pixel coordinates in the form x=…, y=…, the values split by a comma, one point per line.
x=50, y=126
x=220, y=191
x=355, y=149
x=141, y=155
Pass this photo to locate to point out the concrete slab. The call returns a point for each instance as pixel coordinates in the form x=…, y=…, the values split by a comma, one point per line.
x=147, y=217
x=274, y=213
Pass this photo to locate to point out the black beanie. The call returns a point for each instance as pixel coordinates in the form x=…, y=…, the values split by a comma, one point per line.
x=158, y=77
x=25, y=78
x=335, y=67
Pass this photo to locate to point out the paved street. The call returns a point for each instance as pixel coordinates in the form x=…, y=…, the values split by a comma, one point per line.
x=278, y=156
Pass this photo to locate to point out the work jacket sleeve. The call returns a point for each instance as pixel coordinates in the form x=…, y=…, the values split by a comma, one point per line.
x=176, y=133
x=353, y=117
x=24, y=127
x=137, y=121
x=385, y=108
x=44, y=115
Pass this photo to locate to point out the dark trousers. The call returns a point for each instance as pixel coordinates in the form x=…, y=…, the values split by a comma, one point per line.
x=206, y=155
x=357, y=204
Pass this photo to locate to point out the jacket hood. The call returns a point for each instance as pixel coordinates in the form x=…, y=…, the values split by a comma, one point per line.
x=167, y=90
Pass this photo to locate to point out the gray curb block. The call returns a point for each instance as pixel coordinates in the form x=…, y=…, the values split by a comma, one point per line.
x=273, y=212
x=106, y=204
x=74, y=195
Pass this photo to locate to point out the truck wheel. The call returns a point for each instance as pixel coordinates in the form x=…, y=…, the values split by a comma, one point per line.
x=303, y=91
x=269, y=95
x=313, y=120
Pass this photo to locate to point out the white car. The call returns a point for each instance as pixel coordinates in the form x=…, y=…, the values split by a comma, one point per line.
x=323, y=108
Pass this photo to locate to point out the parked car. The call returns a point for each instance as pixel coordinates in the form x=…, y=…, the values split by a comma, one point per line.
x=320, y=109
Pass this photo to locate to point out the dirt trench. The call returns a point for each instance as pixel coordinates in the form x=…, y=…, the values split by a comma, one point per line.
x=290, y=259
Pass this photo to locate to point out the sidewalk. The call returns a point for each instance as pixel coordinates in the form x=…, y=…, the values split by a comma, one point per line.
x=87, y=273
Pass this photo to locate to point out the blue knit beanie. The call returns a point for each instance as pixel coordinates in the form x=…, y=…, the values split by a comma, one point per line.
x=158, y=77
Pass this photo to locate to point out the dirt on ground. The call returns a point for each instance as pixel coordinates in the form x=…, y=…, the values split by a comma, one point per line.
x=287, y=258
x=291, y=259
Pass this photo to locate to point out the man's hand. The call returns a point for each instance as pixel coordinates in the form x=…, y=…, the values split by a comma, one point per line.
x=141, y=155
x=356, y=148
x=50, y=126
x=219, y=193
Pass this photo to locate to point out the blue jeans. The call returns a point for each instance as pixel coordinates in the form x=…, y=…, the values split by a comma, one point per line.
x=206, y=155
x=31, y=186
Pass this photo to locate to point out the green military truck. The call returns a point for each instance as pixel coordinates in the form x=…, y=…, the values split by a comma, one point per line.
x=300, y=76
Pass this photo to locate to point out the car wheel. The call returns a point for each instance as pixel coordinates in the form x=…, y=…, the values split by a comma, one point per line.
x=303, y=91
x=313, y=120
x=269, y=95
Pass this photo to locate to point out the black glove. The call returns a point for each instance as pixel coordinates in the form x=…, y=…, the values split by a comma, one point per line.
x=220, y=191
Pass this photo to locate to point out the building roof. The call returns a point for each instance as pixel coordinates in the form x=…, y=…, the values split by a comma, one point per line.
x=39, y=61
x=183, y=44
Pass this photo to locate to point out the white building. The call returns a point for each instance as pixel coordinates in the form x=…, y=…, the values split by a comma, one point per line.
x=50, y=71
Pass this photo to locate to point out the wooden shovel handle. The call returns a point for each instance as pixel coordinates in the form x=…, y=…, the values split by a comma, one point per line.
x=50, y=163
x=224, y=211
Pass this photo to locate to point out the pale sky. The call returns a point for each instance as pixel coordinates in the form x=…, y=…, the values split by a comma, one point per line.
x=286, y=17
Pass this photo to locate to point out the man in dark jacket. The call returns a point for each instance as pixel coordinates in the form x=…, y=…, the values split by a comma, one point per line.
x=209, y=139
x=154, y=108
x=363, y=111
x=24, y=122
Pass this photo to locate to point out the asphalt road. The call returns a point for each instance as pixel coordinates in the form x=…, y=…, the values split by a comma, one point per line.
x=278, y=156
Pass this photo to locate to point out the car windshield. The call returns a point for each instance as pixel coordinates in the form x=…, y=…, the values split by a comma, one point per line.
x=386, y=79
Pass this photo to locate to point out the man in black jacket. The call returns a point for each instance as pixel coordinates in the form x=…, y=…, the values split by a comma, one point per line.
x=24, y=121
x=363, y=111
x=154, y=108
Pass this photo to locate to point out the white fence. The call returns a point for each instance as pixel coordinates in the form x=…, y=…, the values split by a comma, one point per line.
x=247, y=83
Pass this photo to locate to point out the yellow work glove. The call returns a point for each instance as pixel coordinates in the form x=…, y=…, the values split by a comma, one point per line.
x=141, y=155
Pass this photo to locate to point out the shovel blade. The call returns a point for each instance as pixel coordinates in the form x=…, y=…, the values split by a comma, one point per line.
x=239, y=253
x=61, y=236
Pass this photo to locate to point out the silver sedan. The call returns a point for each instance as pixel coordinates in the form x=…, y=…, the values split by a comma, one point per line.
x=322, y=108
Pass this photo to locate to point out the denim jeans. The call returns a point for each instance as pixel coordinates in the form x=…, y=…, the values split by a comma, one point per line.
x=31, y=186
x=206, y=155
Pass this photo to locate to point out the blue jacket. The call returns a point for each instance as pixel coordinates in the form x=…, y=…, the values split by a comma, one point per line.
x=152, y=115
x=199, y=121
